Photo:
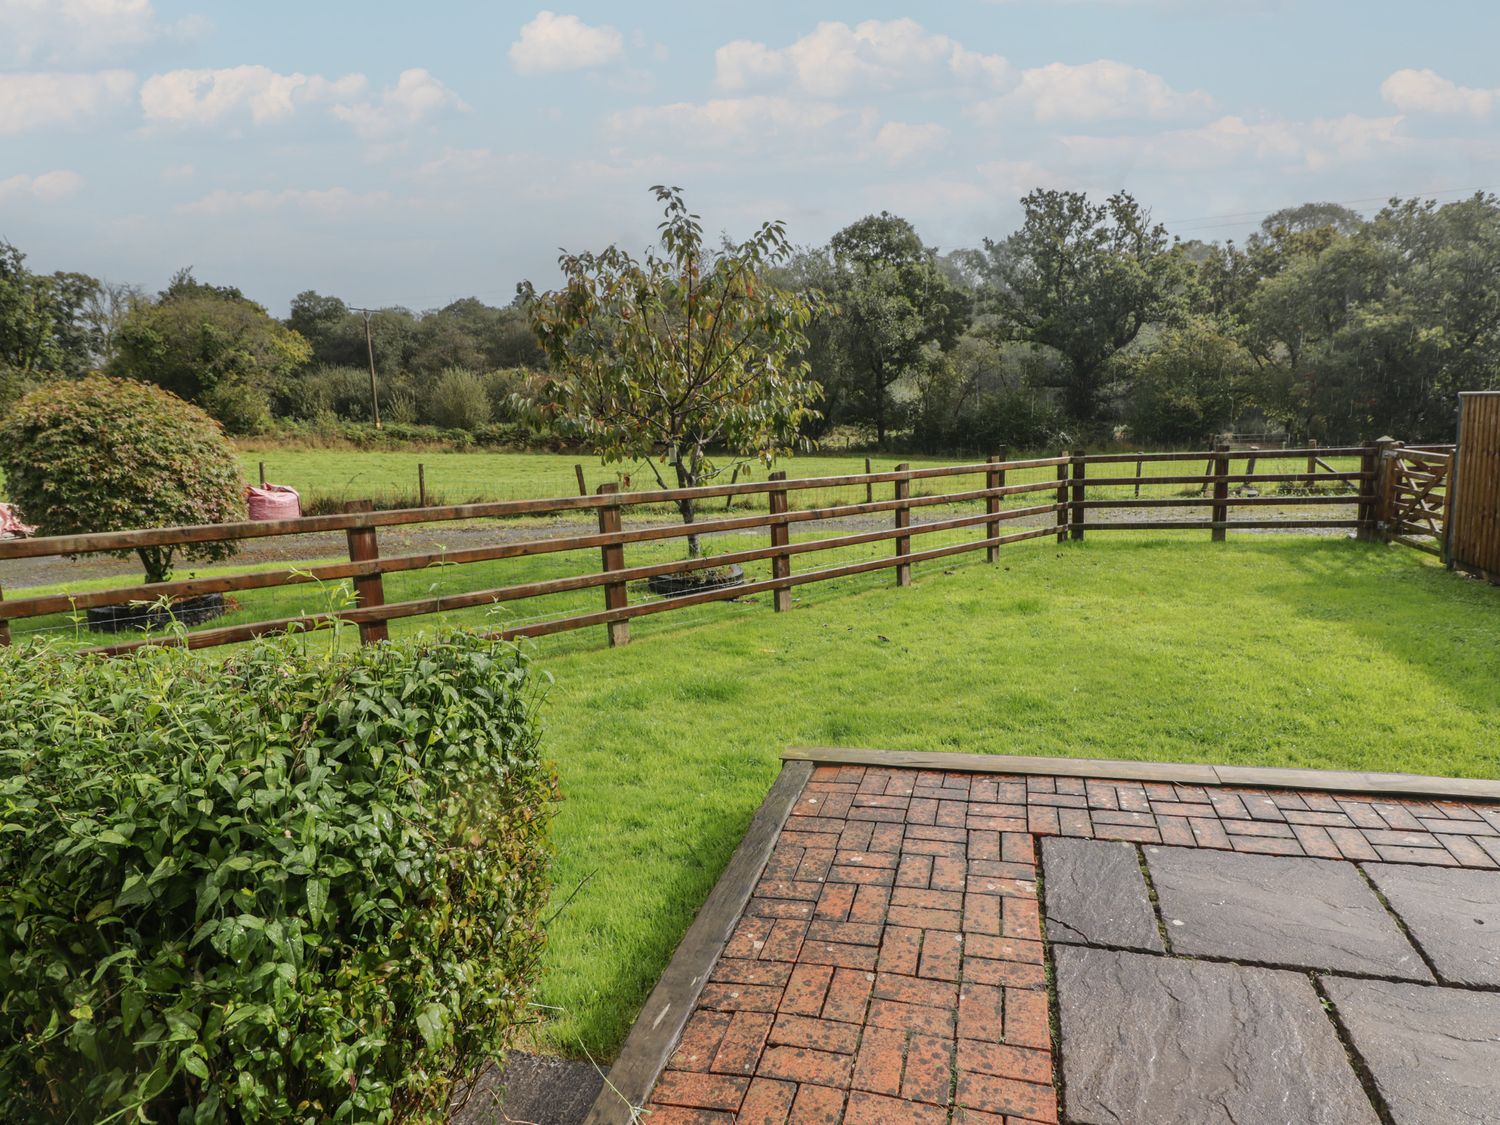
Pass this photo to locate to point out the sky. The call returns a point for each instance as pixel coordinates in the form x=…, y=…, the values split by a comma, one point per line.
x=399, y=153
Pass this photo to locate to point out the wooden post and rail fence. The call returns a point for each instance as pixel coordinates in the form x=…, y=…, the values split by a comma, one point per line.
x=1398, y=493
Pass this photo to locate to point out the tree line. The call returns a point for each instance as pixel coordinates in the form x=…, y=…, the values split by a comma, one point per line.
x=1087, y=324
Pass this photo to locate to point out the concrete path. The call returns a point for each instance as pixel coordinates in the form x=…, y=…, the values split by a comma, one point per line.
x=938, y=947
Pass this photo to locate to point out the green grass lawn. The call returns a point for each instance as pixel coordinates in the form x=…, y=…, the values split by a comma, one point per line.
x=461, y=477
x=1271, y=650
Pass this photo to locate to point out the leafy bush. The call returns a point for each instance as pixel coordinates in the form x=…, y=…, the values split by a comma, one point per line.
x=288, y=887
x=241, y=407
x=104, y=454
x=196, y=337
x=459, y=400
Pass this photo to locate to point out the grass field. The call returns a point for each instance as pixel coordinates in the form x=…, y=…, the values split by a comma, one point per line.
x=458, y=477
x=1271, y=650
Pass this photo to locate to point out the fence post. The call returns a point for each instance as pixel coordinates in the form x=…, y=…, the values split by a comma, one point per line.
x=733, y=480
x=369, y=589
x=1387, y=452
x=1221, y=491
x=903, y=519
x=1076, y=517
x=613, y=556
x=781, y=565
x=583, y=488
x=994, y=478
x=1312, y=459
x=4, y=625
x=421, y=485
x=1062, y=500
x=869, y=488
x=1450, y=500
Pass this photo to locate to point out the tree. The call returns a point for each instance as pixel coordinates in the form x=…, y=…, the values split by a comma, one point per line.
x=894, y=301
x=1084, y=279
x=1308, y=217
x=1189, y=385
x=1376, y=330
x=460, y=400
x=104, y=310
x=212, y=346
x=28, y=340
x=680, y=352
x=982, y=394
x=105, y=454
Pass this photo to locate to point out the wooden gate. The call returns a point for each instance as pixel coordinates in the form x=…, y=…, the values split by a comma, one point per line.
x=1415, y=496
x=1474, y=539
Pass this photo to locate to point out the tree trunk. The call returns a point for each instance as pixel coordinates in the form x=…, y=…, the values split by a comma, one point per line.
x=687, y=478
x=157, y=561
x=1080, y=397
x=686, y=508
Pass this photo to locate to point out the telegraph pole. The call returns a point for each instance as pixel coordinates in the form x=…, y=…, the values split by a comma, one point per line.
x=370, y=349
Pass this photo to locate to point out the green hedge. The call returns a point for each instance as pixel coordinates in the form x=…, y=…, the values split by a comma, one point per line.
x=293, y=886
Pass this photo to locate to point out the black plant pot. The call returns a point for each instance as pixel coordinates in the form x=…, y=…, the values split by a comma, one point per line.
x=696, y=581
x=140, y=616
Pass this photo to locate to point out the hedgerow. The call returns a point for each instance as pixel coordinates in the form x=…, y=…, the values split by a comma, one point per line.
x=294, y=886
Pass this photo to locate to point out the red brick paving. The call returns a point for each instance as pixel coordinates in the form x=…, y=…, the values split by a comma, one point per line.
x=890, y=968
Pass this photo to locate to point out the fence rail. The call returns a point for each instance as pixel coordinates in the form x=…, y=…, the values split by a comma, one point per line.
x=1057, y=505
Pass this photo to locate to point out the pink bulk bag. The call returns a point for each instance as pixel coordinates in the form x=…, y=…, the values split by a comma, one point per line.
x=273, y=502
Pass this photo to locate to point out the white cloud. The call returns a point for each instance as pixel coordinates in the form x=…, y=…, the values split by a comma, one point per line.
x=326, y=203
x=212, y=97
x=554, y=42
x=416, y=96
x=901, y=143
x=54, y=30
x=1315, y=144
x=1425, y=91
x=45, y=188
x=728, y=121
x=454, y=163
x=206, y=97
x=836, y=59
x=1097, y=91
x=35, y=101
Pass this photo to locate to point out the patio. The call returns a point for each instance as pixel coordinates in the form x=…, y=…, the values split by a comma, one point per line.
x=1308, y=949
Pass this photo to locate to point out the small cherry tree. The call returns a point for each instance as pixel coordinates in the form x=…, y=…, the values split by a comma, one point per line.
x=681, y=353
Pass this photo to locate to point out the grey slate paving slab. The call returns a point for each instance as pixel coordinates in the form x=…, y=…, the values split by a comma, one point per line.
x=1307, y=913
x=1097, y=895
x=1453, y=914
x=1156, y=1039
x=1434, y=1052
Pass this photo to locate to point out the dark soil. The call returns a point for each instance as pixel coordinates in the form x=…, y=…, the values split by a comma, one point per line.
x=139, y=617
x=696, y=581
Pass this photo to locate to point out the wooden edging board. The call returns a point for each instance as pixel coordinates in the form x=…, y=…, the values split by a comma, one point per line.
x=1332, y=781
x=655, y=1033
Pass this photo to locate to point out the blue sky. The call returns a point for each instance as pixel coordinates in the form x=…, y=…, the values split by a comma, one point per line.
x=395, y=153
